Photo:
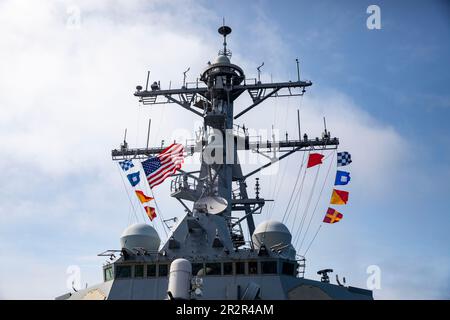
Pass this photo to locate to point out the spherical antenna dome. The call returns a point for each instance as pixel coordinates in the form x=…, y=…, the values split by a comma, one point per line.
x=271, y=233
x=140, y=235
x=222, y=59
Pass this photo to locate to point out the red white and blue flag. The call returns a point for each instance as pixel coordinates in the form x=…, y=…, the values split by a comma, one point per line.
x=162, y=166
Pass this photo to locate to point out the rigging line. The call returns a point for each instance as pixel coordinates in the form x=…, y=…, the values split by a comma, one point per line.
x=314, y=238
x=301, y=187
x=292, y=193
x=147, y=187
x=298, y=202
x=128, y=194
x=142, y=214
x=129, y=219
x=305, y=214
x=161, y=216
x=299, y=193
x=275, y=117
x=272, y=191
x=277, y=190
x=277, y=177
x=300, y=104
x=295, y=186
x=271, y=176
x=317, y=203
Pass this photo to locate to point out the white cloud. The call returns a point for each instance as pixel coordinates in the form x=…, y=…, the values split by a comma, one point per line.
x=60, y=84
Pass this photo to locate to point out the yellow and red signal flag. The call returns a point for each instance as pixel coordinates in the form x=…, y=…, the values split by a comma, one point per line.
x=339, y=197
x=314, y=159
x=142, y=197
x=151, y=212
x=332, y=216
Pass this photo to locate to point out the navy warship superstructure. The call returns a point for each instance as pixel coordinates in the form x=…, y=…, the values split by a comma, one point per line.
x=206, y=255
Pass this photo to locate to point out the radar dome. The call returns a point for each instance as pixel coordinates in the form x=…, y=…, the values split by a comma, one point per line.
x=140, y=235
x=271, y=233
x=222, y=59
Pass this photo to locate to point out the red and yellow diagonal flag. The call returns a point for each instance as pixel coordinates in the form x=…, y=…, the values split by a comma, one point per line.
x=332, y=216
x=142, y=197
x=151, y=212
x=339, y=197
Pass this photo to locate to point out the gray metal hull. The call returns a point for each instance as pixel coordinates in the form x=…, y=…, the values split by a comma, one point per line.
x=273, y=287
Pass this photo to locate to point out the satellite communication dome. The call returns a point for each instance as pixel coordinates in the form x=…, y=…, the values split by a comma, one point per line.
x=222, y=59
x=140, y=235
x=271, y=233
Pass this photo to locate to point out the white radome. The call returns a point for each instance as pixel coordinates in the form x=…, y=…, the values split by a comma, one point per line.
x=271, y=233
x=140, y=235
x=222, y=59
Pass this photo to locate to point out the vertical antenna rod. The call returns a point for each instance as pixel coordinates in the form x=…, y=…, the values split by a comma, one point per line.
x=224, y=31
x=184, y=77
x=224, y=38
x=124, y=146
x=259, y=72
x=298, y=69
x=298, y=124
x=148, y=76
x=148, y=131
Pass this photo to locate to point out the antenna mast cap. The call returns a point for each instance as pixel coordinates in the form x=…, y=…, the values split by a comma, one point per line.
x=224, y=30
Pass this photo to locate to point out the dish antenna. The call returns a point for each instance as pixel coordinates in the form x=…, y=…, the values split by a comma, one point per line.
x=213, y=205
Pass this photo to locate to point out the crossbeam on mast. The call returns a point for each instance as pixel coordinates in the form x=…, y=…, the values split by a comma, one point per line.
x=282, y=146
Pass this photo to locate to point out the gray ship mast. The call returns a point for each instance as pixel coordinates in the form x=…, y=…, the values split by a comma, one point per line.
x=219, y=188
x=206, y=255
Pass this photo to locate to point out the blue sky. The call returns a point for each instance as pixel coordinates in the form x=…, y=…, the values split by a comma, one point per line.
x=66, y=96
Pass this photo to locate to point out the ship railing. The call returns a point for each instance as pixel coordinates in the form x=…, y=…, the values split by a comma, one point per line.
x=183, y=182
x=253, y=81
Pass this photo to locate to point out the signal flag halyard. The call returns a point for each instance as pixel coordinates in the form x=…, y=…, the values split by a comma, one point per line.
x=332, y=216
x=339, y=197
x=314, y=159
x=142, y=197
x=151, y=212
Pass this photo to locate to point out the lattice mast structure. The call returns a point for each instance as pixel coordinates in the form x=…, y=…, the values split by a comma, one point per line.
x=221, y=175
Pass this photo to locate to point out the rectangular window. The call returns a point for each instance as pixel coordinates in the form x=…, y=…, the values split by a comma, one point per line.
x=269, y=267
x=240, y=267
x=228, y=268
x=108, y=273
x=196, y=267
x=253, y=267
x=212, y=269
x=139, y=271
x=288, y=268
x=151, y=270
x=123, y=272
x=163, y=270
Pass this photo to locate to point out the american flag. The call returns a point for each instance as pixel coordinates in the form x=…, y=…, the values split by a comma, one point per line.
x=158, y=168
